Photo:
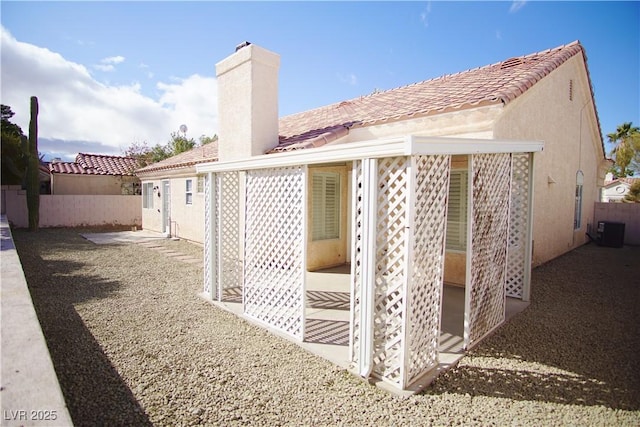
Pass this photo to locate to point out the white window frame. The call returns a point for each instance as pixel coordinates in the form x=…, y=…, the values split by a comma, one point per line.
x=326, y=206
x=188, y=194
x=147, y=195
x=457, y=221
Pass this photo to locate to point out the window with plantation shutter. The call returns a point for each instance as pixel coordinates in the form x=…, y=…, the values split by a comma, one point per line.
x=326, y=205
x=457, y=211
x=147, y=195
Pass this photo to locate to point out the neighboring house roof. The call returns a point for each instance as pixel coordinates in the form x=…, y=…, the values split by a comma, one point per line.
x=499, y=83
x=201, y=154
x=626, y=181
x=43, y=169
x=95, y=164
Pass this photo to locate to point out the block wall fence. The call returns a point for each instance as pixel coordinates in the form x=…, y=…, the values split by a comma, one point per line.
x=73, y=210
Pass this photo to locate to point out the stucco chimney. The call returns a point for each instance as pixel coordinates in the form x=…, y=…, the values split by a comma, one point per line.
x=247, y=102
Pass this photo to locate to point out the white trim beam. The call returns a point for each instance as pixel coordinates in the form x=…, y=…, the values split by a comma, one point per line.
x=409, y=145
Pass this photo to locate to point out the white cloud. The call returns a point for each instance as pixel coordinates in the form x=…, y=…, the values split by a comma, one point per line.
x=350, y=78
x=424, y=15
x=80, y=113
x=104, y=67
x=516, y=5
x=107, y=64
x=113, y=60
x=145, y=67
x=498, y=35
x=191, y=101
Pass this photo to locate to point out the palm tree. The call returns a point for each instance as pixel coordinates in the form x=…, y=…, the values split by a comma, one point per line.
x=624, y=148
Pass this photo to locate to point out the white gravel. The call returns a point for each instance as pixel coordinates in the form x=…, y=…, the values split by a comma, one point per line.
x=133, y=344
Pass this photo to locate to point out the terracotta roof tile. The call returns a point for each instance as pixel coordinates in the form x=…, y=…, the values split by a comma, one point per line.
x=95, y=164
x=625, y=180
x=200, y=154
x=499, y=83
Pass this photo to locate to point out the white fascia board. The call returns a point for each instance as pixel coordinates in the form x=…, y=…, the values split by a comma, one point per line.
x=421, y=145
x=401, y=146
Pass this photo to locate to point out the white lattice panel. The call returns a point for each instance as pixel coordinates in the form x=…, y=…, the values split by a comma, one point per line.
x=489, y=228
x=425, y=291
x=390, y=268
x=230, y=266
x=210, y=242
x=274, y=248
x=358, y=207
x=518, y=225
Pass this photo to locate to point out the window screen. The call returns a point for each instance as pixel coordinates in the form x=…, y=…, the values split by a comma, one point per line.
x=326, y=205
x=189, y=192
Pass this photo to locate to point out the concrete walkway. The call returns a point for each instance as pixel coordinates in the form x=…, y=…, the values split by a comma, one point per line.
x=30, y=392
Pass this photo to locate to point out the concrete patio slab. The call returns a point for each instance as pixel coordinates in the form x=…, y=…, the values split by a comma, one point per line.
x=124, y=237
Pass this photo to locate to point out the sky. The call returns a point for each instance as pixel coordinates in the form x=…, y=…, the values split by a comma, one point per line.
x=109, y=74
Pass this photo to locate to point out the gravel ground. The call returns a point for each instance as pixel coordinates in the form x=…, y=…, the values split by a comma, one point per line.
x=133, y=344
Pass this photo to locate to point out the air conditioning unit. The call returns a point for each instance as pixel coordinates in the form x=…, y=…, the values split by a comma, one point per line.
x=610, y=234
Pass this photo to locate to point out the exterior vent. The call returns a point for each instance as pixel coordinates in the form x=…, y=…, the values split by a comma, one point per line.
x=241, y=45
x=571, y=90
x=511, y=62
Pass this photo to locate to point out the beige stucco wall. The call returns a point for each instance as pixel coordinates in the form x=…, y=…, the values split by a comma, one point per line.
x=89, y=184
x=187, y=221
x=567, y=126
x=471, y=123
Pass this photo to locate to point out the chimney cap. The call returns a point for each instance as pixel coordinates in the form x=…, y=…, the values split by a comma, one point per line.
x=241, y=45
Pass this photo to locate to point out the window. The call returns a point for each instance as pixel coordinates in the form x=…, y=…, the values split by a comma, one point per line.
x=189, y=192
x=200, y=185
x=457, y=211
x=577, y=215
x=147, y=195
x=326, y=205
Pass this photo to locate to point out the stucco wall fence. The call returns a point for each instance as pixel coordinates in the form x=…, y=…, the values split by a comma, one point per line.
x=628, y=213
x=73, y=210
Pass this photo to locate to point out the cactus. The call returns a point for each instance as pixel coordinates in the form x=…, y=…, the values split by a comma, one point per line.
x=33, y=169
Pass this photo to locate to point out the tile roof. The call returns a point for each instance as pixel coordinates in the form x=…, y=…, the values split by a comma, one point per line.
x=498, y=83
x=95, y=164
x=625, y=180
x=201, y=154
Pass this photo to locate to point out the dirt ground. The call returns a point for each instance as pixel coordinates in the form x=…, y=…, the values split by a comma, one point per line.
x=133, y=344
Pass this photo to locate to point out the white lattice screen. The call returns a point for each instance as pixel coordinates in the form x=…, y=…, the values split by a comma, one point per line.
x=405, y=343
x=427, y=263
x=210, y=241
x=491, y=180
x=230, y=265
x=356, y=263
x=275, y=248
x=517, y=264
x=390, y=268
